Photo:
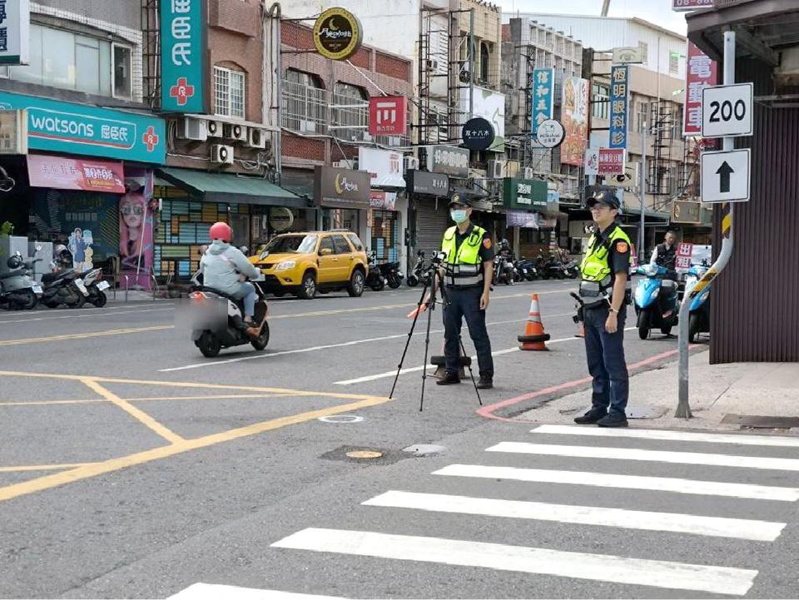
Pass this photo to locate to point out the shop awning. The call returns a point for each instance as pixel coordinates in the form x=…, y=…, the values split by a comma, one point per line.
x=227, y=187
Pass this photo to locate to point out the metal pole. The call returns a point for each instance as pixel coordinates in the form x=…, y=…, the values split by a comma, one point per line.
x=642, y=194
x=683, y=407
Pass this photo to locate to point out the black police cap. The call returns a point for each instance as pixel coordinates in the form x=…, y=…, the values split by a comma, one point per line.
x=605, y=197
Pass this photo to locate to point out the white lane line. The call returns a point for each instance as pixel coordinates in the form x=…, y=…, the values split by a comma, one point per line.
x=315, y=348
x=685, y=458
x=211, y=591
x=683, y=436
x=744, y=529
x=90, y=313
x=419, y=368
x=521, y=559
x=630, y=482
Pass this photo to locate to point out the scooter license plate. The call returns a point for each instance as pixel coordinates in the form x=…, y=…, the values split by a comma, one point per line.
x=81, y=287
x=37, y=289
x=103, y=285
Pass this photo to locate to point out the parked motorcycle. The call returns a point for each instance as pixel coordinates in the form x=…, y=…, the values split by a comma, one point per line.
x=217, y=320
x=419, y=271
x=571, y=269
x=393, y=275
x=699, y=320
x=64, y=287
x=527, y=269
x=18, y=290
x=96, y=286
x=656, y=300
x=503, y=270
x=374, y=278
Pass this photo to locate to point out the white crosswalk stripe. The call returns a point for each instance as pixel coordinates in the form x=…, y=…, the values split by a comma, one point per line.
x=617, y=569
x=744, y=529
x=672, y=436
x=693, y=575
x=686, y=458
x=631, y=482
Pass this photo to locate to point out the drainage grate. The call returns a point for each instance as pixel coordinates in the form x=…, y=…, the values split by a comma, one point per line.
x=761, y=422
x=361, y=454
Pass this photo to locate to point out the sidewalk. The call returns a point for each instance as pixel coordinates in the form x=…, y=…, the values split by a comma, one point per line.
x=715, y=391
x=137, y=296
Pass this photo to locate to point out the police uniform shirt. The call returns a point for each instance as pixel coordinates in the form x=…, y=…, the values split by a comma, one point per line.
x=486, y=247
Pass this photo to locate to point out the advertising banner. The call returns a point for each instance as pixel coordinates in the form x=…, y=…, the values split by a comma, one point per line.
x=136, y=210
x=574, y=114
x=611, y=161
x=519, y=218
x=543, y=90
x=619, y=106
x=15, y=24
x=341, y=188
x=384, y=167
x=449, y=160
x=76, y=174
x=700, y=72
x=524, y=194
x=183, y=68
x=388, y=115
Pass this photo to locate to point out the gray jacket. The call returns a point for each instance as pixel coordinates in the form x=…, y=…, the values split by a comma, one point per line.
x=221, y=265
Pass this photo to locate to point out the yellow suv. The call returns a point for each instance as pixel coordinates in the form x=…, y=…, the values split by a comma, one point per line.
x=304, y=263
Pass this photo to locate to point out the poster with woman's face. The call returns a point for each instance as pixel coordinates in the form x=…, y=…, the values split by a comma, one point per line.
x=136, y=225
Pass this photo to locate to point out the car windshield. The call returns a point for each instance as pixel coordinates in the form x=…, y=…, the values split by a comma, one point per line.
x=290, y=243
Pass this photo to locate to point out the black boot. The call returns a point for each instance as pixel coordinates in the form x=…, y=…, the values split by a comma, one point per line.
x=448, y=379
x=486, y=382
x=613, y=420
x=591, y=417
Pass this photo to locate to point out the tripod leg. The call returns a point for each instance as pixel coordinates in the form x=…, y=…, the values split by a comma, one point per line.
x=431, y=308
x=471, y=373
x=408, y=341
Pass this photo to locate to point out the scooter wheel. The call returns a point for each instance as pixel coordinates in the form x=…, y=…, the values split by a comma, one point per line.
x=100, y=299
x=262, y=340
x=79, y=302
x=412, y=281
x=209, y=344
x=394, y=282
x=694, y=325
x=30, y=301
x=378, y=286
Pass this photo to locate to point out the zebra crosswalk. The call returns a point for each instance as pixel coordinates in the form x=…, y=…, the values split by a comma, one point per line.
x=587, y=460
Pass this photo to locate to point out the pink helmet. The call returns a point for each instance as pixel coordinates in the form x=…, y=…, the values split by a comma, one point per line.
x=221, y=231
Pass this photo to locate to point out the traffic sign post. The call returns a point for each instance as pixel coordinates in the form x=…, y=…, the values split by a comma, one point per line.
x=725, y=176
x=727, y=110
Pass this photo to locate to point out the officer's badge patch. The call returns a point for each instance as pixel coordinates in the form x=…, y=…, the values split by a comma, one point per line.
x=622, y=247
x=487, y=244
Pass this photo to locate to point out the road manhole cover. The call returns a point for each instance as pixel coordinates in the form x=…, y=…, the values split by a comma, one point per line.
x=364, y=454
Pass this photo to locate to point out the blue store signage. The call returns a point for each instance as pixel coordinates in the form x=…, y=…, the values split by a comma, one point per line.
x=183, y=56
x=81, y=129
x=619, y=106
x=543, y=90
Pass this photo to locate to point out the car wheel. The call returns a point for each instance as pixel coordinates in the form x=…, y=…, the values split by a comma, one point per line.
x=278, y=294
x=355, y=288
x=308, y=286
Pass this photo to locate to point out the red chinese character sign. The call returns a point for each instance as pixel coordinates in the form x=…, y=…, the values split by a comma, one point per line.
x=388, y=115
x=700, y=72
x=684, y=252
x=611, y=161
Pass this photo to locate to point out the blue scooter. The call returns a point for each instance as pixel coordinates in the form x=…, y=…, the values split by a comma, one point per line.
x=656, y=300
x=700, y=305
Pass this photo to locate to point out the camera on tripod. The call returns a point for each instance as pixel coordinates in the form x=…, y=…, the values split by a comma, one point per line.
x=438, y=258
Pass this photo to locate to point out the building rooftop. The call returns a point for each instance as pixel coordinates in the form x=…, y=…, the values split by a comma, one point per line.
x=542, y=16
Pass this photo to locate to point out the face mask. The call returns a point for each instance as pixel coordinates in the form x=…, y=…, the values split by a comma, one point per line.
x=459, y=216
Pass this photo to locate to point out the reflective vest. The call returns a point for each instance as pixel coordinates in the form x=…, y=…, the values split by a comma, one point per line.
x=464, y=268
x=595, y=269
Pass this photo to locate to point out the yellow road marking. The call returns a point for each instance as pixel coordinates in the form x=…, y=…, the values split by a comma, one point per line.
x=147, y=399
x=133, y=411
x=115, y=464
x=182, y=384
x=28, y=468
x=81, y=336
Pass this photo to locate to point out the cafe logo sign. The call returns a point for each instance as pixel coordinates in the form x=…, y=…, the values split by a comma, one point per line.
x=343, y=184
x=337, y=34
x=478, y=134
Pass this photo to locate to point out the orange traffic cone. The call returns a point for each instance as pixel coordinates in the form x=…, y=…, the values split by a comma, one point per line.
x=534, y=336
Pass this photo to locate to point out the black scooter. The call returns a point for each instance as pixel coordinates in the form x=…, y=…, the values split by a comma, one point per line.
x=420, y=271
x=374, y=278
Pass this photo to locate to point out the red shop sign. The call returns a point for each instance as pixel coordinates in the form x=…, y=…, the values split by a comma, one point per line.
x=76, y=174
x=388, y=115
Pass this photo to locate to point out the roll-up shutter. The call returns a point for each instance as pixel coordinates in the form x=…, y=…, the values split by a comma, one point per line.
x=431, y=222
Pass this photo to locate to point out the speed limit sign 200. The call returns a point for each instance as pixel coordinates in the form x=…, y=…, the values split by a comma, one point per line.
x=727, y=110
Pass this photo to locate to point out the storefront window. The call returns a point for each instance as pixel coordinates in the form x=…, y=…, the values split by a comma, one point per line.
x=385, y=231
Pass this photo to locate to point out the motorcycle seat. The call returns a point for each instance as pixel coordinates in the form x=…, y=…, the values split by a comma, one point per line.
x=14, y=273
x=221, y=294
x=668, y=284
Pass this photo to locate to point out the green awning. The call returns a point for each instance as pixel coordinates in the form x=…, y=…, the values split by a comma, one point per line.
x=227, y=187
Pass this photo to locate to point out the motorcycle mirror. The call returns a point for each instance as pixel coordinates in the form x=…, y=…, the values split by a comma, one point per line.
x=38, y=247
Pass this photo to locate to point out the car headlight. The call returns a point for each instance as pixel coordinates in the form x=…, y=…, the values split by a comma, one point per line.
x=285, y=265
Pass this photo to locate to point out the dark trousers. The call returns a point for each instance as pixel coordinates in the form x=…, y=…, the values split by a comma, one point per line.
x=605, y=354
x=465, y=302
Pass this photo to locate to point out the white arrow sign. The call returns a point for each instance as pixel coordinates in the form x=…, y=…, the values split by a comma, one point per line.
x=725, y=176
x=727, y=110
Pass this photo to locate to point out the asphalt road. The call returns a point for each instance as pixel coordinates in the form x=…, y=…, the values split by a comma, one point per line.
x=133, y=467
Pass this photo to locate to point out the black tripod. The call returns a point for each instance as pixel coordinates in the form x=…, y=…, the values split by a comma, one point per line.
x=432, y=281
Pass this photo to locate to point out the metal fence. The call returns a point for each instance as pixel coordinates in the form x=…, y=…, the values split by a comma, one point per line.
x=305, y=108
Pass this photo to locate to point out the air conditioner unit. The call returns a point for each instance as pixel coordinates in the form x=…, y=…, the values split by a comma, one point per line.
x=528, y=172
x=235, y=131
x=214, y=129
x=221, y=154
x=410, y=162
x=193, y=129
x=256, y=138
x=307, y=126
x=431, y=64
x=494, y=169
x=346, y=164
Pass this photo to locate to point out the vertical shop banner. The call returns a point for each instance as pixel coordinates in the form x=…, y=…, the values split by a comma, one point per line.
x=183, y=71
x=700, y=72
x=684, y=252
x=15, y=24
x=136, y=227
x=574, y=114
x=543, y=96
x=619, y=106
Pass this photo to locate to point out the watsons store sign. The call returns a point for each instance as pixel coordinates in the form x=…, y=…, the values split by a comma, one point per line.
x=80, y=129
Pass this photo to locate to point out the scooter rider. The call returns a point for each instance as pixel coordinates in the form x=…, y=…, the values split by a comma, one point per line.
x=222, y=267
x=603, y=291
x=665, y=254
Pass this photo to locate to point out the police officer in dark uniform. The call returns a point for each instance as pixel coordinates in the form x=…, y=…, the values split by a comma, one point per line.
x=468, y=269
x=604, y=291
